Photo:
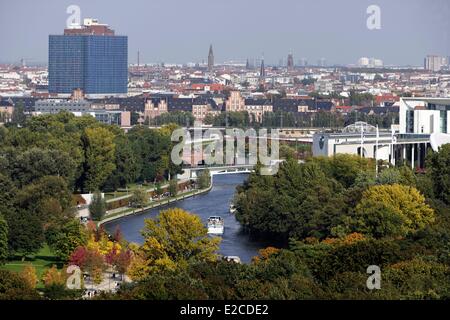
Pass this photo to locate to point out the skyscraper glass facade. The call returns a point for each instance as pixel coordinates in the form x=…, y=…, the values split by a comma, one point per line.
x=97, y=64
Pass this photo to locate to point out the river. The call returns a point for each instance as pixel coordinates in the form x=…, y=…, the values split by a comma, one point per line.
x=216, y=202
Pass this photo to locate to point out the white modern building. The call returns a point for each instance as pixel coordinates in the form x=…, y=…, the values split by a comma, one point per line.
x=424, y=124
x=436, y=63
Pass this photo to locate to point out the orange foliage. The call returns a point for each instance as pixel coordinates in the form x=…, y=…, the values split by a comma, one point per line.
x=264, y=254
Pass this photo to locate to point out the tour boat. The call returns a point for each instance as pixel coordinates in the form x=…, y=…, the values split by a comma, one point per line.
x=235, y=259
x=215, y=225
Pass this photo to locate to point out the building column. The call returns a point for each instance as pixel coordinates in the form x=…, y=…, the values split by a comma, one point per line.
x=404, y=154
x=419, y=155
x=393, y=155
x=412, y=156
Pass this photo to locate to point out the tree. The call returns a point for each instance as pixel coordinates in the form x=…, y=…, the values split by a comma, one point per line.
x=389, y=176
x=417, y=279
x=35, y=163
x=63, y=240
x=139, y=198
x=97, y=208
x=391, y=211
x=204, y=179
x=344, y=167
x=438, y=164
x=48, y=198
x=3, y=239
x=78, y=257
x=94, y=265
x=26, y=233
x=175, y=238
x=15, y=287
x=158, y=189
x=29, y=274
x=127, y=165
x=7, y=194
x=299, y=201
x=122, y=261
x=173, y=187
x=18, y=117
x=150, y=147
x=99, y=152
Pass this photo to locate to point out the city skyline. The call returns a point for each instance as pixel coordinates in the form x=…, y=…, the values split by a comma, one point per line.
x=310, y=36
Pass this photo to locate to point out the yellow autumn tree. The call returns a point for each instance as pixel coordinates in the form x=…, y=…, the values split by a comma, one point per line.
x=392, y=211
x=172, y=240
x=54, y=277
x=30, y=276
x=103, y=245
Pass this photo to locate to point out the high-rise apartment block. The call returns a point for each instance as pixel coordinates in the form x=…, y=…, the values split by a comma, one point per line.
x=436, y=63
x=88, y=57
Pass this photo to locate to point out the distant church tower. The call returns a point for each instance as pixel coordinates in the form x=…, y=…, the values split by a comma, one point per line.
x=290, y=62
x=210, y=59
x=262, y=72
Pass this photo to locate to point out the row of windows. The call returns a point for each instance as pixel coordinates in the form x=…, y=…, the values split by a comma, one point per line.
x=96, y=64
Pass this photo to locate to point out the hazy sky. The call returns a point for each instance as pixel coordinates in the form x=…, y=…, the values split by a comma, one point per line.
x=181, y=30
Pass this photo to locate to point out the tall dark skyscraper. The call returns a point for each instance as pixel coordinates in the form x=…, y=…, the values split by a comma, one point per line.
x=210, y=59
x=88, y=57
x=290, y=62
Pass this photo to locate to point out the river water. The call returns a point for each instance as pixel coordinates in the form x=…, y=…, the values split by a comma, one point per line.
x=216, y=202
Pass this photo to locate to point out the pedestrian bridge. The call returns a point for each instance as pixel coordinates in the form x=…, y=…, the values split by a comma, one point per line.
x=192, y=172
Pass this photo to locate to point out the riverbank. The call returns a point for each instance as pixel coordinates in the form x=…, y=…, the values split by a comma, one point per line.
x=154, y=204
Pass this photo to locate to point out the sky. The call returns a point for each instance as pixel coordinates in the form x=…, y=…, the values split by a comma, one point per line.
x=180, y=31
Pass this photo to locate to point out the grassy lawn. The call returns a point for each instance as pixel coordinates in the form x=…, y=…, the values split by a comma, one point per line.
x=42, y=261
x=133, y=186
x=116, y=194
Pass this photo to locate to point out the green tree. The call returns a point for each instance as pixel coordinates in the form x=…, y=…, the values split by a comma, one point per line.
x=299, y=201
x=438, y=164
x=35, y=163
x=127, y=165
x=173, y=187
x=139, y=198
x=18, y=117
x=25, y=234
x=204, y=179
x=418, y=279
x=97, y=208
x=64, y=239
x=3, y=240
x=158, y=189
x=389, y=176
x=99, y=153
x=8, y=193
x=391, y=211
x=150, y=147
